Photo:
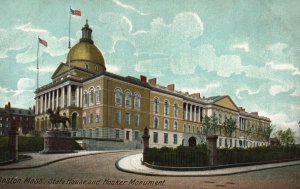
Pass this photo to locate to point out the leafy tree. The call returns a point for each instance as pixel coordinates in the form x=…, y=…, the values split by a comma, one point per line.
x=229, y=126
x=210, y=124
x=267, y=132
x=286, y=137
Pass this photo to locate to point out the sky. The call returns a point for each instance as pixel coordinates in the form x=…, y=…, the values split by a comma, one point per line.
x=249, y=50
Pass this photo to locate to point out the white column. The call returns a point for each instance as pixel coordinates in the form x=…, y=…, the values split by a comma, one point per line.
x=62, y=97
x=195, y=117
x=49, y=100
x=80, y=97
x=69, y=95
x=77, y=96
x=36, y=105
x=42, y=102
x=190, y=112
x=45, y=103
x=199, y=116
x=57, y=95
x=52, y=100
x=186, y=111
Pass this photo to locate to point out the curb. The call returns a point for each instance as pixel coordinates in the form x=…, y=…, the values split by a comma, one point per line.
x=57, y=160
x=197, y=175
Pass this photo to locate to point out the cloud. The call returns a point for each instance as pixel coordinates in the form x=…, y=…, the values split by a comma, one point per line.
x=42, y=69
x=243, y=46
x=129, y=7
x=247, y=90
x=204, y=90
x=28, y=28
x=112, y=68
x=25, y=84
x=276, y=89
x=277, y=48
x=284, y=67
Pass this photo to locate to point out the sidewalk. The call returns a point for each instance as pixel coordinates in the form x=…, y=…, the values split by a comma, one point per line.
x=39, y=160
x=132, y=164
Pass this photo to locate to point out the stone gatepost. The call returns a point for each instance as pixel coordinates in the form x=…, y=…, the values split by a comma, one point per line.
x=212, y=149
x=12, y=135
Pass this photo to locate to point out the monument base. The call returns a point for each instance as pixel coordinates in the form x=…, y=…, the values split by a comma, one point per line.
x=57, y=142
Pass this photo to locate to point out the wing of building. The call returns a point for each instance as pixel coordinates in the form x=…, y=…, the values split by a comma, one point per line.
x=110, y=107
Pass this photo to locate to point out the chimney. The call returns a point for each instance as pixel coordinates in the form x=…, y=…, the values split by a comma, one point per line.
x=242, y=109
x=171, y=87
x=9, y=105
x=196, y=95
x=143, y=78
x=254, y=113
x=152, y=81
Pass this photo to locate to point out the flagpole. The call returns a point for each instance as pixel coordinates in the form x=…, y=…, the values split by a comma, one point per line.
x=37, y=64
x=69, y=37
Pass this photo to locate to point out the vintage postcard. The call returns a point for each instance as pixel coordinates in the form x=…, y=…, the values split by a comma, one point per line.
x=149, y=94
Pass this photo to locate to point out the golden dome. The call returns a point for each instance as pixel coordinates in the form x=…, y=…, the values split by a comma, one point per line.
x=85, y=51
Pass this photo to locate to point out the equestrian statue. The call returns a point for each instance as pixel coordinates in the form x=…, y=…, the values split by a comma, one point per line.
x=55, y=118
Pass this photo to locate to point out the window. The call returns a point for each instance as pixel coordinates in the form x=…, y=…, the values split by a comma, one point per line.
x=136, y=120
x=127, y=99
x=84, y=120
x=97, y=95
x=136, y=135
x=127, y=118
x=166, y=125
x=220, y=142
x=156, y=105
x=175, y=138
x=86, y=66
x=118, y=97
x=155, y=137
x=117, y=134
x=220, y=119
x=97, y=118
x=118, y=117
x=155, y=123
x=85, y=98
x=166, y=108
x=166, y=138
x=91, y=97
x=175, y=125
x=127, y=135
x=176, y=110
x=91, y=118
x=226, y=144
x=137, y=101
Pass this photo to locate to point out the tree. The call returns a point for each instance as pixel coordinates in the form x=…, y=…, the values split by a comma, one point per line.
x=286, y=137
x=210, y=124
x=229, y=126
x=267, y=132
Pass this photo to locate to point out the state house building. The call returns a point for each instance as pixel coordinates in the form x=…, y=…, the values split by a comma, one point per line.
x=107, y=106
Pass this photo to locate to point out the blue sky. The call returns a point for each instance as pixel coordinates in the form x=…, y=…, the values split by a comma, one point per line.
x=249, y=50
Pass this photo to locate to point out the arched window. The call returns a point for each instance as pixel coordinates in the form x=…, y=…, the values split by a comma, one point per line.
x=91, y=96
x=137, y=101
x=128, y=99
x=175, y=125
x=156, y=105
x=220, y=119
x=118, y=97
x=176, y=110
x=98, y=93
x=166, y=108
x=85, y=98
x=155, y=123
x=166, y=125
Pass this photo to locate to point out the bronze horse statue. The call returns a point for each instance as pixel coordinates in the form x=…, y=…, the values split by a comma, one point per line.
x=55, y=118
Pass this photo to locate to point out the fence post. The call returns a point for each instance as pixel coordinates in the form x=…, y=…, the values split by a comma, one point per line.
x=145, y=137
x=212, y=149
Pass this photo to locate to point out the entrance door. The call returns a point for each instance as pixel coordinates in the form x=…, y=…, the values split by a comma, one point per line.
x=74, y=121
x=192, y=141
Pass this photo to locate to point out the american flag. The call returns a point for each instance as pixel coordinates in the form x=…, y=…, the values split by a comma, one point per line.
x=75, y=12
x=43, y=42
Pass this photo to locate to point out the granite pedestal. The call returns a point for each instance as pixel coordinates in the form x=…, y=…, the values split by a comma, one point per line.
x=57, y=142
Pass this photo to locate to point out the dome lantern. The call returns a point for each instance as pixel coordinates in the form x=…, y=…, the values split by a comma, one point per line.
x=86, y=33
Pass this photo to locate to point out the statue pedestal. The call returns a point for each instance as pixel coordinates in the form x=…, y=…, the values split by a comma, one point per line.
x=57, y=142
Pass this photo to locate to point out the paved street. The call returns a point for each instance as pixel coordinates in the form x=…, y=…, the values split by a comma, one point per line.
x=98, y=171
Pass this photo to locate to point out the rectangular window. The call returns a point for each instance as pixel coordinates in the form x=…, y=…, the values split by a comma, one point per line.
x=97, y=118
x=137, y=120
x=118, y=117
x=136, y=135
x=155, y=137
x=127, y=135
x=127, y=118
x=166, y=138
x=91, y=118
x=117, y=134
x=175, y=138
x=84, y=120
x=220, y=142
